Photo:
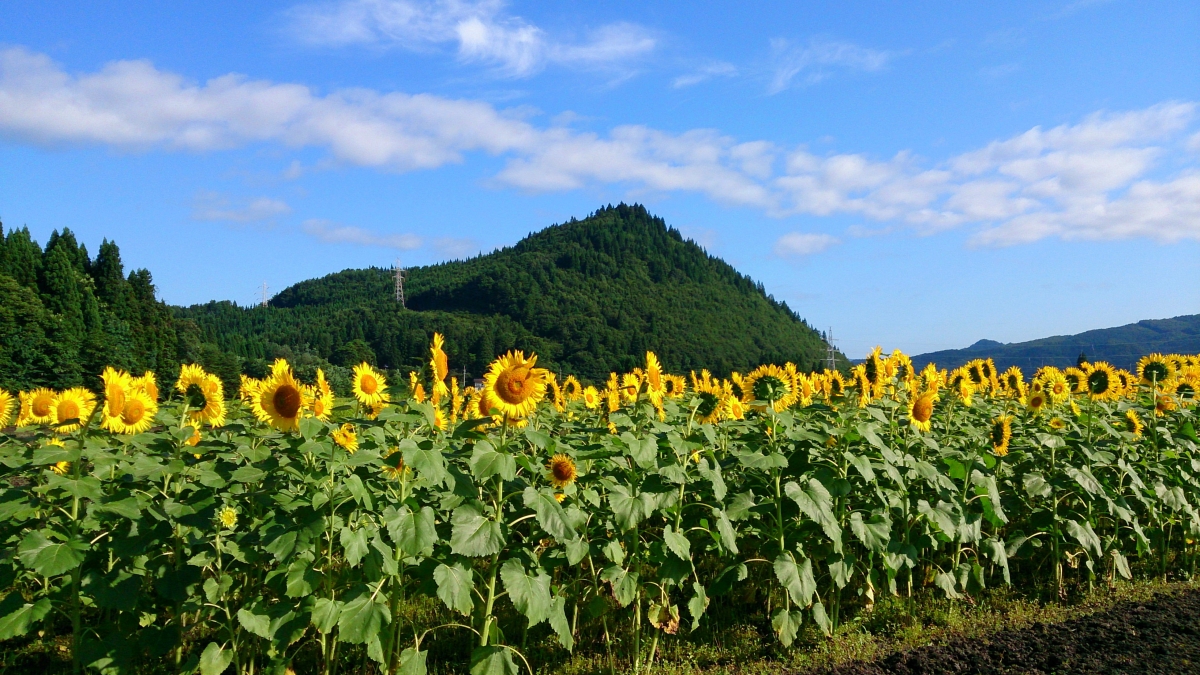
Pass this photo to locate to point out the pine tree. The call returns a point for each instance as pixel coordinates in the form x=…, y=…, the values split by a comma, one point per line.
x=22, y=258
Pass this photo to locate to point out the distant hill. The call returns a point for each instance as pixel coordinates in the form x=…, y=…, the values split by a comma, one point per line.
x=589, y=296
x=1121, y=346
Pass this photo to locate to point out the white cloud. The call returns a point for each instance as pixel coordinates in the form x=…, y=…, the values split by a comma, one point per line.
x=705, y=73
x=1110, y=176
x=335, y=233
x=481, y=31
x=803, y=243
x=215, y=207
x=816, y=60
x=1193, y=143
x=454, y=247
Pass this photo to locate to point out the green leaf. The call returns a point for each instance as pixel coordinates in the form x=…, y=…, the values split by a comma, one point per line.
x=550, y=514
x=787, y=625
x=713, y=474
x=697, y=604
x=874, y=533
x=16, y=615
x=127, y=507
x=472, y=534
x=728, y=533
x=1086, y=536
x=530, y=595
x=486, y=462
x=643, y=451
x=359, y=491
x=301, y=578
x=677, y=542
x=429, y=464
x=740, y=508
x=282, y=546
x=577, y=550
x=215, y=659
x=822, y=618
x=1035, y=485
x=796, y=578
x=412, y=662
x=454, y=584
x=816, y=503
x=325, y=614
x=861, y=463
x=492, y=661
x=624, y=584
x=47, y=558
x=413, y=532
x=628, y=509
x=362, y=617
x=558, y=622
x=355, y=545
x=259, y=624
x=947, y=583
x=248, y=474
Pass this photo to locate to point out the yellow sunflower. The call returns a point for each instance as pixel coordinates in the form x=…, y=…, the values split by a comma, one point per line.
x=674, y=386
x=203, y=395
x=1012, y=383
x=1001, y=434
x=771, y=384
x=71, y=409
x=147, y=383
x=655, y=384
x=1155, y=368
x=1036, y=401
x=415, y=389
x=1134, y=423
x=571, y=389
x=394, y=467
x=932, y=378
x=901, y=365
x=920, y=411
x=369, y=385
x=321, y=398
x=439, y=364
x=346, y=438
x=1100, y=381
x=709, y=406
x=36, y=407
x=1077, y=379
x=612, y=398
x=1057, y=423
x=1185, y=388
x=514, y=385
x=965, y=391
x=630, y=385
x=591, y=397
x=1164, y=398
x=736, y=381
x=280, y=401
x=734, y=408
x=137, y=415
x=556, y=395
x=247, y=389
x=117, y=384
x=872, y=368
x=835, y=384
x=1057, y=386
x=562, y=470
x=7, y=406
x=804, y=388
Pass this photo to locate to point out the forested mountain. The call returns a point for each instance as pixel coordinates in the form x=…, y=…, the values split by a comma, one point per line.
x=588, y=296
x=1121, y=346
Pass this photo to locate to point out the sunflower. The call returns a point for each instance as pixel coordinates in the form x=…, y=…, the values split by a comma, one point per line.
x=736, y=381
x=556, y=395
x=1057, y=423
x=7, y=405
x=415, y=389
x=61, y=468
x=1001, y=434
x=804, y=387
x=369, y=385
x=612, y=398
x=1155, y=368
x=227, y=517
x=571, y=388
x=674, y=386
x=394, y=466
x=439, y=364
x=1164, y=399
x=1057, y=386
x=320, y=398
x=963, y=389
x=734, y=408
x=975, y=370
x=281, y=400
x=36, y=407
x=901, y=365
x=514, y=386
x=71, y=409
x=835, y=384
x=1077, y=379
x=1185, y=388
x=137, y=415
x=1100, y=381
x=1036, y=401
x=562, y=470
x=247, y=389
x=630, y=385
x=591, y=397
x=1012, y=383
x=117, y=384
x=1134, y=423
x=147, y=383
x=655, y=384
x=203, y=396
x=873, y=367
x=346, y=438
x=920, y=411
x=456, y=399
x=772, y=384
x=193, y=440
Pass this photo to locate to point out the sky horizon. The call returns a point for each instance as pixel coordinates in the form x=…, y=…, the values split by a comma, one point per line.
x=915, y=177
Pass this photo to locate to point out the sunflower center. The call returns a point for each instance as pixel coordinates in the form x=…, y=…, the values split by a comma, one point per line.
x=872, y=372
x=1036, y=400
x=1098, y=382
x=369, y=385
x=68, y=410
x=708, y=403
x=195, y=397
x=997, y=434
x=1185, y=391
x=287, y=401
x=976, y=375
x=513, y=385
x=318, y=407
x=835, y=387
x=134, y=412
x=1156, y=371
x=1013, y=382
x=769, y=388
x=41, y=407
x=923, y=409
x=563, y=471
x=116, y=401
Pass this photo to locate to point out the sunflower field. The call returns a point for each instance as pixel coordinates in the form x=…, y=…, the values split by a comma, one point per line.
x=161, y=527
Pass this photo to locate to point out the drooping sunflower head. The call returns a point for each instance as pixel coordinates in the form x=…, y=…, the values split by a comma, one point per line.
x=37, y=407
x=439, y=363
x=902, y=365
x=416, y=390
x=920, y=410
x=1076, y=379
x=975, y=370
x=964, y=389
x=630, y=385
x=147, y=383
x=873, y=366
x=1185, y=389
x=8, y=406
x=1164, y=398
x=931, y=377
x=71, y=409
x=591, y=397
x=674, y=385
x=345, y=437
x=280, y=401
x=369, y=385
x=1101, y=382
x=612, y=399
x=1133, y=423
x=203, y=395
x=1000, y=435
x=514, y=385
x=571, y=388
x=116, y=384
x=653, y=375
x=1012, y=382
x=708, y=407
x=562, y=470
x=556, y=395
x=804, y=387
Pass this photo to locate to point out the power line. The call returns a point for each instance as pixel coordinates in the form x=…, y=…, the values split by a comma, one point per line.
x=264, y=294
x=830, y=352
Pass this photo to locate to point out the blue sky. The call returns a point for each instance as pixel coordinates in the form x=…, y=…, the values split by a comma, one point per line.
x=915, y=175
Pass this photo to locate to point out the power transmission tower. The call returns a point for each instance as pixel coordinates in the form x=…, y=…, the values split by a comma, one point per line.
x=830, y=352
x=264, y=295
x=398, y=271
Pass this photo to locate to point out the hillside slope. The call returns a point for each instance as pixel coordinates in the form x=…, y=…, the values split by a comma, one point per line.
x=589, y=296
x=1121, y=346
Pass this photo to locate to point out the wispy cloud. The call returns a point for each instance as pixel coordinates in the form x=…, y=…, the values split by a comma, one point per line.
x=1109, y=176
x=803, y=243
x=481, y=31
x=455, y=247
x=818, y=59
x=705, y=73
x=216, y=207
x=335, y=233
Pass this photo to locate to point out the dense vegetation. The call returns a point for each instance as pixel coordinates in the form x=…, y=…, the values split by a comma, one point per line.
x=498, y=531
x=586, y=295
x=1121, y=346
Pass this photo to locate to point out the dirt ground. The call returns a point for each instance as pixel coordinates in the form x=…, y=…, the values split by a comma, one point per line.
x=1157, y=636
